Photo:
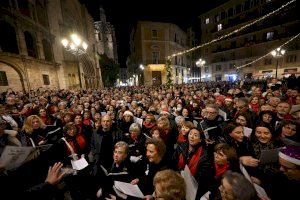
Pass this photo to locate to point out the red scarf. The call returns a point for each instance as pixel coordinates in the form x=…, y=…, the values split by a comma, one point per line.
x=254, y=107
x=220, y=169
x=193, y=162
x=181, y=138
x=148, y=125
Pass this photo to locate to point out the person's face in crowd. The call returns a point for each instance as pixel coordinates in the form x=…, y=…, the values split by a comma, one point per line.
x=257, y=92
x=97, y=106
x=267, y=118
x=86, y=115
x=211, y=113
x=134, y=134
x=288, y=130
x=72, y=131
x=283, y=108
x=254, y=100
x=156, y=134
x=78, y=120
x=80, y=108
x=269, y=95
x=220, y=158
x=241, y=107
x=241, y=120
x=10, y=100
x=262, y=101
x=97, y=124
x=298, y=100
x=185, y=130
x=152, y=154
x=97, y=116
x=161, y=124
x=35, y=123
x=139, y=111
x=277, y=93
x=194, y=137
x=144, y=114
x=54, y=99
x=119, y=155
x=127, y=118
x=290, y=170
x=266, y=107
x=228, y=103
x=294, y=93
x=237, y=134
x=185, y=112
x=67, y=118
x=42, y=113
x=43, y=102
x=106, y=123
x=205, y=93
x=111, y=108
x=274, y=101
x=263, y=134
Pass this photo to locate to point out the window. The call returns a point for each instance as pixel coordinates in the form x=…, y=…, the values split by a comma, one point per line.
x=154, y=33
x=231, y=65
x=219, y=27
x=230, y=12
x=218, y=68
x=3, y=79
x=291, y=58
x=238, y=9
x=268, y=61
x=155, y=57
x=270, y=35
x=217, y=18
x=47, y=50
x=46, y=79
x=206, y=70
x=30, y=44
x=207, y=21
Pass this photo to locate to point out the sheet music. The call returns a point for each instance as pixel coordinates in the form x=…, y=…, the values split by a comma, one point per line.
x=247, y=131
x=191, y=184
x=129, y=189
x=223, y=114
x=12, y=156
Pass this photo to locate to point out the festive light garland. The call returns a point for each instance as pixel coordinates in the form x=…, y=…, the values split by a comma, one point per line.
x=231, y=33
x=268, y=53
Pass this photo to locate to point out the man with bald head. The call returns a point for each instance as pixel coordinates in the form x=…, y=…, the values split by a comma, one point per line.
x=103, y=142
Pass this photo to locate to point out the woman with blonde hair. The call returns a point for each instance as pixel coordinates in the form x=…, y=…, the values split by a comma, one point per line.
x=33, y=132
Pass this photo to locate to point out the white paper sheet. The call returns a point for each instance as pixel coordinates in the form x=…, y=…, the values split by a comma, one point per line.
x=12, y=156
x=129, y=189
x=247, y=131
x=79, y=164
x=191, y=184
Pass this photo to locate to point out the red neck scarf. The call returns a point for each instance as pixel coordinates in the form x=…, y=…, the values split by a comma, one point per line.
x=148, y=125
x=220, y=169
x=192, y=163
x=181, y=138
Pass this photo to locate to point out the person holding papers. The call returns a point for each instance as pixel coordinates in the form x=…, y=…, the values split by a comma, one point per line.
x=265, y=148
x=122, y=169
x=136, y=141
x=156, y=162
x=234, y=134
x=195, y=155
x=34, y=132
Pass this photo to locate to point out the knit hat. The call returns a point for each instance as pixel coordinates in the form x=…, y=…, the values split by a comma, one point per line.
x=127, y=112
x=228, y=98
x=290, y=154
x=165, y=111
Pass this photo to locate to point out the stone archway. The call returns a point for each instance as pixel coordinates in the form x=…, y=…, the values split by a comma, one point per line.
x=15, y=80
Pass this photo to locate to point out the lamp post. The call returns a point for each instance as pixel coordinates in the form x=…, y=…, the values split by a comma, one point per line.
x=142, y=67
x=277, y=53
x=200, y=63
x=77, y=47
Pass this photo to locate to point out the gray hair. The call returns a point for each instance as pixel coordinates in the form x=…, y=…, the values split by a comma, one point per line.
x=122, y=144
x=135, y=127
x=214, y=106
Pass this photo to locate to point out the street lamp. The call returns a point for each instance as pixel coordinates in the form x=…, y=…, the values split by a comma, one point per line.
x=277, y=53
x=142, y=67
x=77, y=47
x=200, y=63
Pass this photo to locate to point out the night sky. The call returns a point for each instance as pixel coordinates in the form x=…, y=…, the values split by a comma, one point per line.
x=123, y=15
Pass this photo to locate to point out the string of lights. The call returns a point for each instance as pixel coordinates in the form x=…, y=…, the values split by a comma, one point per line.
x=245, y=65
x=231, y=33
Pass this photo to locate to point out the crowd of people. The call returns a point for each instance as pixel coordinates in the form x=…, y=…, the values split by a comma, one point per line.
x=146, y=135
